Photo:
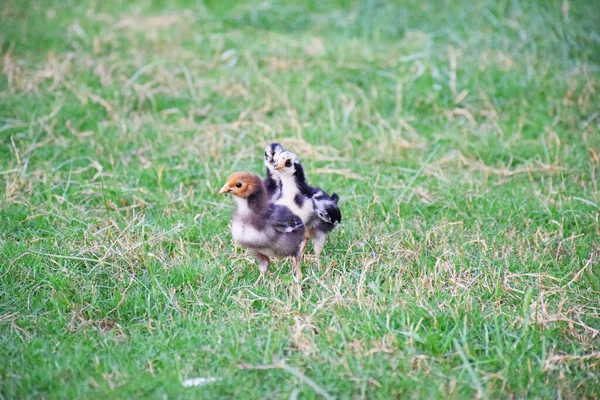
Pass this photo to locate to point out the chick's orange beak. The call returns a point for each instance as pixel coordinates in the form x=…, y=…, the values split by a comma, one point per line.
x=225, y=189
x=279, y=166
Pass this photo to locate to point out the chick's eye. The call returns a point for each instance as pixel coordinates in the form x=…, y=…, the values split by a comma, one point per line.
x=238, y=185
x=288, y=163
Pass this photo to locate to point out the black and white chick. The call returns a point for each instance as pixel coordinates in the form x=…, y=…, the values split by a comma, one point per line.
x=269, y=230
x=319, y=212
x=272, y=181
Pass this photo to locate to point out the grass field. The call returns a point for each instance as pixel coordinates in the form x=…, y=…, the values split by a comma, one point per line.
x=462, y=137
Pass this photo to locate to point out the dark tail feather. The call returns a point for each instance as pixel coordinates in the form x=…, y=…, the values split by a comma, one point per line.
x=334, y=213
x=335, y=197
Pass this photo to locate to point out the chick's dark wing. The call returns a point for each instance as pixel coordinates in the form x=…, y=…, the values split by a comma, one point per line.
x=326, y=207
x=334, y=213
x=284, y=221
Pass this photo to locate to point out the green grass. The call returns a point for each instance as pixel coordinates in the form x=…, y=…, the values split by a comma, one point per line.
x=462, y=137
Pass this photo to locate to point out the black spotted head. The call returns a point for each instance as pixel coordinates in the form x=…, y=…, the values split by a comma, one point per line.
x=270, y=152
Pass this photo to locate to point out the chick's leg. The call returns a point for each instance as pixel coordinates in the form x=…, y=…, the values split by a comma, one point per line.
x=319, y=242
x=305, y=241
x=263, y=265
x=297, y=268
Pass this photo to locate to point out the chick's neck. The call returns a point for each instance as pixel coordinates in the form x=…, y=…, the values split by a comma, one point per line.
x=255, y=203
x=298, y=179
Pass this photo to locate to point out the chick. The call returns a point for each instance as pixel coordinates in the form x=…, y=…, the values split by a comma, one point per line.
x=272, y=181
x=319, y=211
x=269, y=230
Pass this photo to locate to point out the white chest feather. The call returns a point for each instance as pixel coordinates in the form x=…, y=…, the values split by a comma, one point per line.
x=246, y=234
x=242, y=231
x=289, y=191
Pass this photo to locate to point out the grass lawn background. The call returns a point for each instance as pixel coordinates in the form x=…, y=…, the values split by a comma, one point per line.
x=462, y=137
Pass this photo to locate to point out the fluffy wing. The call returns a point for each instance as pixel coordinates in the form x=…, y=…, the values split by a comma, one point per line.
x=284, y=221
x=326, y=207
x=333, y=213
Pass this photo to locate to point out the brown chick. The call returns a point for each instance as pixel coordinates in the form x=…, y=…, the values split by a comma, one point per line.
x=269, y=230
